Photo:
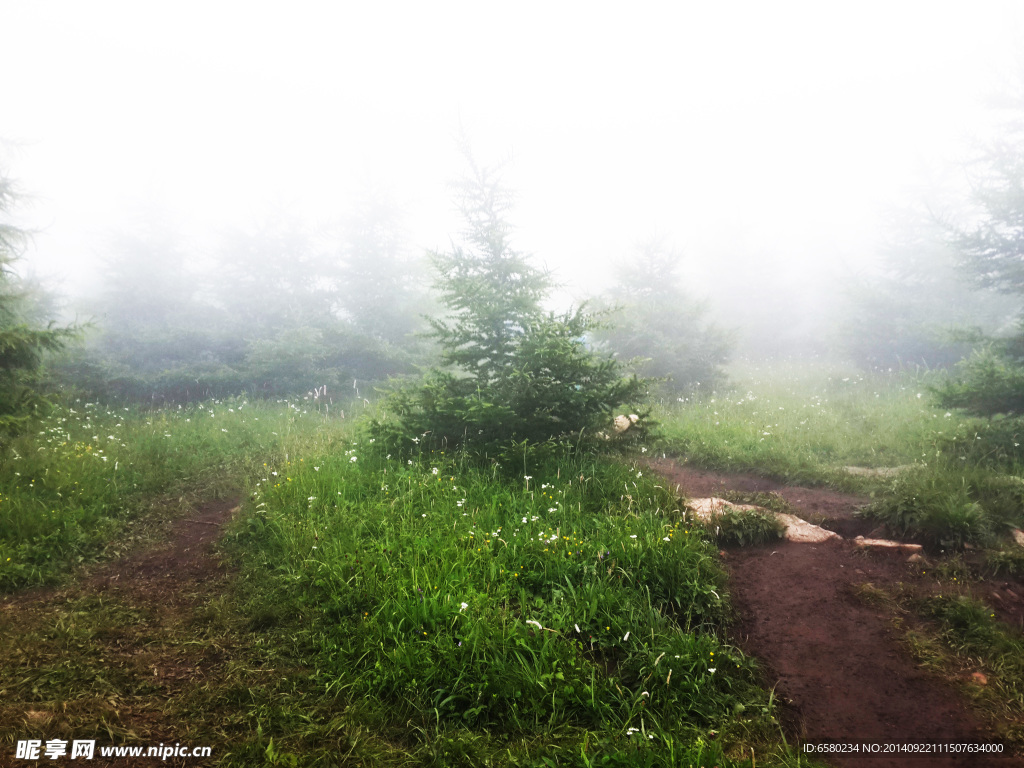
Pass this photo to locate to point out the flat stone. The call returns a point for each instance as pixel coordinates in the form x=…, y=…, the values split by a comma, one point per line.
x=796, y=529
x=898, y=546
x=1018, y=536
x=622, y=422
x=802, y=531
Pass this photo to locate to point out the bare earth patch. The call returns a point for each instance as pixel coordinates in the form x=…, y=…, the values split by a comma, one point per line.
x=105, y=657
x=838, y=662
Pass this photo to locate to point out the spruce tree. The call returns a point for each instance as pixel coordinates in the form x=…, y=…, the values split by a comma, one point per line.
x=662, y=331
x=512, y=373
x=23, y=346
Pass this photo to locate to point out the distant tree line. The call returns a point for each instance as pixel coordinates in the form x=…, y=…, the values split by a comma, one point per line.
x=268, y=312
x=279, y=310
x=920, y=309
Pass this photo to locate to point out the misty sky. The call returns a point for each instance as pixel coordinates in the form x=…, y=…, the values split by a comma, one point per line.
x=756, y=136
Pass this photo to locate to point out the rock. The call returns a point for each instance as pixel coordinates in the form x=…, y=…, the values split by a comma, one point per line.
x=979, y=678
x=622, y=423
x=1018, y=536
x=796, y=529
x=917, y=557
x=898, y=546
x=802, y=531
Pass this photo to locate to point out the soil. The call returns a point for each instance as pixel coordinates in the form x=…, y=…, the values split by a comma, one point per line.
x=836, y=661
x=185, y=558
x=167, y=586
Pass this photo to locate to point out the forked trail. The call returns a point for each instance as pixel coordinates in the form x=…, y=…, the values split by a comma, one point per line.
x=837, y=662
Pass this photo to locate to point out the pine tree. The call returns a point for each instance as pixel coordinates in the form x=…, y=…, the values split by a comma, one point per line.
x=991, y=252
x=22, y=345
x=658, y=327
x=512, y=372
x=492, y=292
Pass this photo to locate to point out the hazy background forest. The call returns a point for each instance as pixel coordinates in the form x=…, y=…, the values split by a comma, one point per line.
x=217, y=221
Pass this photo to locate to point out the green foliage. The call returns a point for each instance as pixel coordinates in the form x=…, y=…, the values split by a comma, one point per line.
x=376, y=287
x=267, y=312
x=513, y=372
x=23, y=346
x=1006, y=563
x=971, y=628
x=938, y=507
x=991, y=245
x=990, y=248
x=919, y=311
x=989, y=383
x=553, y=387
x=659, y=328
x=68, y=491
x=432, y=591
x=744, y=527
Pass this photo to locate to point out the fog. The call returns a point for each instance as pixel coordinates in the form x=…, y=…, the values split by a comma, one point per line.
x=769, y=144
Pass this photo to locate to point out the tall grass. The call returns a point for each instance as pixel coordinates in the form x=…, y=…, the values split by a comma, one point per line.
x=67, y=490
x=442, y=595
x=958, y=479
x=803, y=422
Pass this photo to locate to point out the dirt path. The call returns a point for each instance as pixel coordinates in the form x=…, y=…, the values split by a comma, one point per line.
x=109, y=656
x=836, y=660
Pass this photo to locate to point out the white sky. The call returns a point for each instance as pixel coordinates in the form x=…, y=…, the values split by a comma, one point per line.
x=767, y=130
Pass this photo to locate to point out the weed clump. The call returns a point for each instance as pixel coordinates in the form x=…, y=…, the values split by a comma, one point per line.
x=745, y=527
x=1005, y=563
x=950, y=507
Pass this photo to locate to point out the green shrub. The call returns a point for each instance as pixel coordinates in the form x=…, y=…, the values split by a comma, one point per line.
x=1003, y=499
x=935, y=505
x=1005, y=563
x=989, y=383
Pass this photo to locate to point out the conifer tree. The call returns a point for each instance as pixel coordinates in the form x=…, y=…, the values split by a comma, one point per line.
x=512, y=373
x=22, y=345
x=658, y=327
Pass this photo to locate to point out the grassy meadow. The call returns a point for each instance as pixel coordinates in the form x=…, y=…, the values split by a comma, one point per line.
x=804, y=422
x=69, y=489
x=427, y=609
x=946, y=480
x=405, y=605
